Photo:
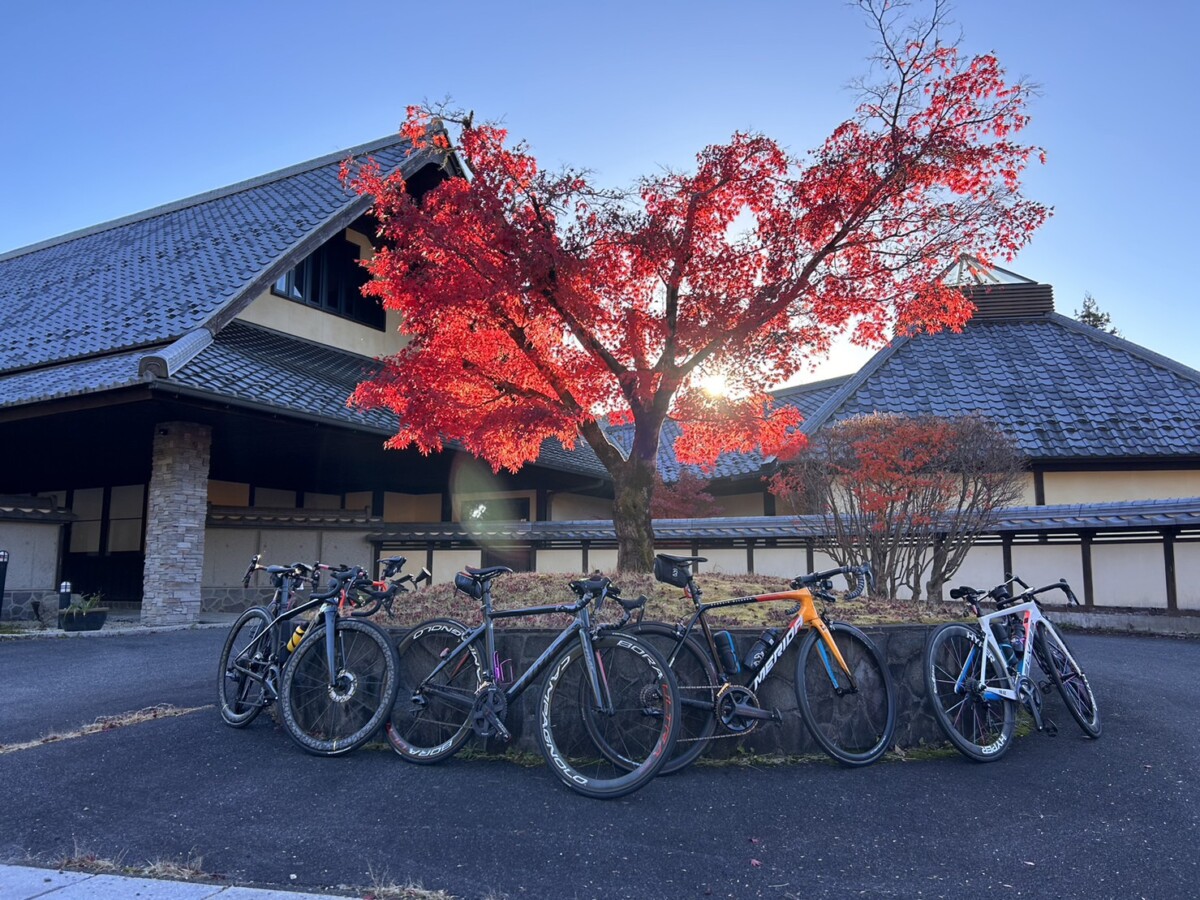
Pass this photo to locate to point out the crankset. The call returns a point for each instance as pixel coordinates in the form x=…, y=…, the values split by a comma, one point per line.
x=739, y=711
x=487, y=715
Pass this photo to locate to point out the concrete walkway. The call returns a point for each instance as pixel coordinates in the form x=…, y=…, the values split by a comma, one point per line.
x=27, y=883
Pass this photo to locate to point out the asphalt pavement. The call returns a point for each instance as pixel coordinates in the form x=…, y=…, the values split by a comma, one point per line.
x=1057, y=817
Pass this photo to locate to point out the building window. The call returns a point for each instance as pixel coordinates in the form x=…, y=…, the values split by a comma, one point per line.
x=331, y=280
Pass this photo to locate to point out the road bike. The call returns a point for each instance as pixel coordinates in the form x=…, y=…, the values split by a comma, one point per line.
x=606, y=709
x=842, y=684
x=334, y=680
x=977, y=673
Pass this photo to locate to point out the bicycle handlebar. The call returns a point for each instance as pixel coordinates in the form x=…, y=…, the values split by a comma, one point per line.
x=863, y=577
x=1001, y=597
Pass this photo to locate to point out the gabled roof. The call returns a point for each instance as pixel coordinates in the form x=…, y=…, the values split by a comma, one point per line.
x=1062, y=389
x=146, y=280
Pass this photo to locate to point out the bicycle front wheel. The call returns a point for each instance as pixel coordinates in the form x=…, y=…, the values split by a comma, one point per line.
x=978, y=722
x=245, y=662
x=853, y=719
x=431, y=719
x=1068, y=677
x=615, y=748
x=696, y=678
x=329, y=719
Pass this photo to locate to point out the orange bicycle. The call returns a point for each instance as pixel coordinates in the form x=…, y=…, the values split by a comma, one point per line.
x=842, y=684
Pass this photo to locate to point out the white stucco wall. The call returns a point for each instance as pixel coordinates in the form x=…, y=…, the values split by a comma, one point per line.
x=1127, y=575
x=1098, y=487
x=569, y=562
x=412, y=507
x=1187, y=574
x=1039, y=564
x=290, y=317
x=566, y=507
x=32, y=554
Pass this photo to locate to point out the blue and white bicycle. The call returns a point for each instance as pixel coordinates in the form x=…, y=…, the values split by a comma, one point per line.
x=976, y=674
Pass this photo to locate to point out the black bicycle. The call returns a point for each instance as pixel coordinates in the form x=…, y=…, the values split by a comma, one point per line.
x=842, y=684
x=606, y=717
x=335, y=679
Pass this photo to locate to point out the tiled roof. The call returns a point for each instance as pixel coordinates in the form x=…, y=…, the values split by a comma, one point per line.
x=262, y=368
x=1062, y=389
x=1101, y=517
x=805, y=397
x=148, y=279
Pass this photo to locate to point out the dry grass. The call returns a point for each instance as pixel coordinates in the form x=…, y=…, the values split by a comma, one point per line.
x=107, y=723
x=384, y=888
x=84, y=860
x=666, y=603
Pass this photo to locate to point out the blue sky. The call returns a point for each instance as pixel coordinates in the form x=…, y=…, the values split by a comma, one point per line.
x=111, y=108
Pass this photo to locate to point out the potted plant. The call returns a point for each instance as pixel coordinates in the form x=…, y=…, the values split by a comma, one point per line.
x=84, y=614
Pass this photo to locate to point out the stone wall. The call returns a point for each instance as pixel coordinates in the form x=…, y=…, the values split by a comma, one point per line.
x=903, y=647
x=177, y=506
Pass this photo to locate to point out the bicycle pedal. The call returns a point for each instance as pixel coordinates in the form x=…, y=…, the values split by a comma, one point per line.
x=776, y=715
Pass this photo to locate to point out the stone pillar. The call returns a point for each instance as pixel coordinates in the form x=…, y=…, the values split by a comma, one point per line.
x=176, y=509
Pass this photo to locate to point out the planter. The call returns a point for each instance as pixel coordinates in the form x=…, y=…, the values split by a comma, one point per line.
x=92, y=620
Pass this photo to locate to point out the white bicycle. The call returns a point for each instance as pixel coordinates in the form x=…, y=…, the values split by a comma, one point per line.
x=975, y=674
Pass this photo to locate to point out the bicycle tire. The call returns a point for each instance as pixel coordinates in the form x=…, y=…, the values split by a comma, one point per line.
x=428, y=726
x=695, y=677
x=1068, y=677
x=329, y=721
x=854, y=728
x=979, y=728
x=241, y=697
x=608, y=756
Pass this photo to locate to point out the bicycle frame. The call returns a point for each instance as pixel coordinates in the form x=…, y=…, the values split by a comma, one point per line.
x=806, y=617
x=1024, y=689
x=328, y=609
x=580, y=627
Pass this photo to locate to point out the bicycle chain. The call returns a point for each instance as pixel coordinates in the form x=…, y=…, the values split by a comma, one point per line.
x=713, y=737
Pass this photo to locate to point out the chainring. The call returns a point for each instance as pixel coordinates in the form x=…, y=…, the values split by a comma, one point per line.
x=490, y=707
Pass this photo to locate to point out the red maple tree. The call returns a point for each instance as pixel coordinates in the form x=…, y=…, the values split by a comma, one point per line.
x=539, y=306
x=908, y=494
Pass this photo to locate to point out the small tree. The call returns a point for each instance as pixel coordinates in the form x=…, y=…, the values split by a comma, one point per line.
x=908, y=494
x=538, y=305
x=685, y=498
x=1091, y=314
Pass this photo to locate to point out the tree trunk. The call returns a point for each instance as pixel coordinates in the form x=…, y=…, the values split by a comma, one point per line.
x=633, y=488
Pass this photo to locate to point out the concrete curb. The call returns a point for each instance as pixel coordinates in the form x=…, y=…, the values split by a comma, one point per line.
x=53, y=633
x=28, y=882
x=1128, y=623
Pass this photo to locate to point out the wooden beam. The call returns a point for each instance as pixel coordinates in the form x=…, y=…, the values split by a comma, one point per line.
x=1169, y=569
x=1085, y=550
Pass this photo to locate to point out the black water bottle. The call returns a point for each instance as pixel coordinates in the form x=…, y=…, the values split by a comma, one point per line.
x=760, y=648
x=1003, y=636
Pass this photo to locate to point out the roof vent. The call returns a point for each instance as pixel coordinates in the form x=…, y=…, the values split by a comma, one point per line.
x=1011, y=301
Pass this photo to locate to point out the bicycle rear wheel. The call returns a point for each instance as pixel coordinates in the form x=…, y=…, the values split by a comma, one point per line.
x=329, y=720
x=245, y=662
x=696, y=678
x=1068, y=677
x=855, y=727
x=431, y=718
x=977, y=722
x=613, y=750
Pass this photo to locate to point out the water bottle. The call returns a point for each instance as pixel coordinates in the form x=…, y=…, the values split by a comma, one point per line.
x=727, y=652
x=1003, y=636
x=295, y=639
x=759, y=650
